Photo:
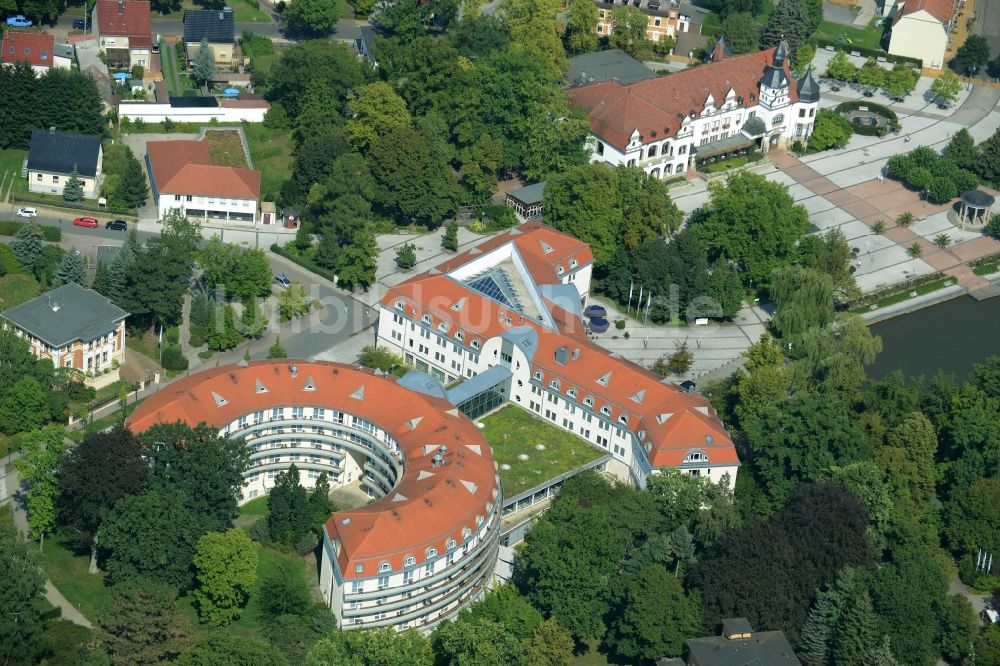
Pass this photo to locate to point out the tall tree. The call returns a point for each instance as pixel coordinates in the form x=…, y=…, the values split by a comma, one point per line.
x=72, y=268
x=24, y=406
x=787, y=22
x=742, y=33
x=27, y=245
x=628, y=30
x=372, y=111
x=856, y=639
x=378, y=647
x=656, y=617
x=205, y=468
x=93, y=476
x=22, y=587
x=315, y=16
x=38, y=466
x=751, y=221
x=152, y=535
x=946, y=87
x=73, y=189
x=414, y=183
x=138, y=626
x=290, y=513
x=203, y=65
x=972, y=54
x=803, y=299
x=961, y=150
x=226, y=570
x=581, y=26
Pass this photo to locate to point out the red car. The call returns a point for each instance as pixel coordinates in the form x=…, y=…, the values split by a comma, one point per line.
x=86, y=222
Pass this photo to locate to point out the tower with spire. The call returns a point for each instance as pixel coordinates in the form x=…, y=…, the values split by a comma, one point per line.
x=774, y=84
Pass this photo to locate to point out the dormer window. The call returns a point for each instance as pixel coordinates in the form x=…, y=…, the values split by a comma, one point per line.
x=696, y=456
x=443, y=327
x=431, y=553
x=384, y=567
x=538, y=375
x=400, y=305
x=605, y=410
x=426, y=319
x=573, y=263
x=559, y=269
x=475, y=344
x=588, y=401
x=409, y=561
x=459, y=335
x=571, y=393
x=451, y=544
x=554, y=384
x=623, y=419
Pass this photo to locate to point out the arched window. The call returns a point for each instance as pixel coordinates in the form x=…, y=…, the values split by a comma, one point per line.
x=554, y=384
x=623, y=419
x=384, y=567
x=409, y=561
x=538, y=375
x=451, y=544
x=475, y=344
x=431, y=552
x=606, y=410
x=426, y=319
x=459, y=335
x=778, y=119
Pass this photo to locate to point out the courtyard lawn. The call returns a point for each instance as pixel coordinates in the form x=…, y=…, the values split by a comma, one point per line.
x=869, y=38
x=225, y=148
x=17, y=288
x=68, y=572
x=271, y=152
x=513, y=431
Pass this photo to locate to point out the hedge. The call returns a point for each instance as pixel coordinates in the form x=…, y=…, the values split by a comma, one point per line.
x=878, y=53
x=865, y=130
x=51, y=234
x=303, y=262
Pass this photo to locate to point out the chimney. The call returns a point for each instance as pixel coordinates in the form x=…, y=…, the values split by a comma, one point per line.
x=294, y=370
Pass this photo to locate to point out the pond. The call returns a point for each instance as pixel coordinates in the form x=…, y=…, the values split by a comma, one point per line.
x=950, y=336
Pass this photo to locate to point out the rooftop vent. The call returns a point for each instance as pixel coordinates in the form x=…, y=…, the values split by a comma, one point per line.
x=294, y=369
x=55, y=306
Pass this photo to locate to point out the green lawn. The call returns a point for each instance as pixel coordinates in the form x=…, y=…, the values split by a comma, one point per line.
x=904, y=294
x=112, y=419
x=68, y=572
x=17, y=288
x=246, y=13
x=255, y=507
x=10, y=170
x=513, y=431
x=987, y=269
x=271, y=153
x=225, y=148
x=869, y=37
x=147, y=343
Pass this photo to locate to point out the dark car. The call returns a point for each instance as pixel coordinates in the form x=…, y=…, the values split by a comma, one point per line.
x=79, y=24
x=283, y=280
x=117, y=225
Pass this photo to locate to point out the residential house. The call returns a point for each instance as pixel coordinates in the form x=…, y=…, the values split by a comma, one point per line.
x=217, y=27
x=73, y=327
x=124, y=31
x=920, y=29
x=527, y=201
x=730, y=105
x=664, y=17
x=183, y=177
x=54, y=155
x=740, y=645
x=38, y=49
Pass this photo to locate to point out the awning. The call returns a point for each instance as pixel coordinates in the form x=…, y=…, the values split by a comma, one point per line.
x=722, y=146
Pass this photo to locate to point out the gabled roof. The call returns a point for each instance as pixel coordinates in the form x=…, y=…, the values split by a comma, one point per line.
x=430, y=505
x=656, y=108
x=669, y=422
x=35, y=48
x=942, y=10
x=65, y=314
x=53, y=151
x=217, y=26
x=185, y=167
x=126, y=18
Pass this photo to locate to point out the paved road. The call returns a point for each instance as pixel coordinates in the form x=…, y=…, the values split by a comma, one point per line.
x=988, y=22
x=174, y=25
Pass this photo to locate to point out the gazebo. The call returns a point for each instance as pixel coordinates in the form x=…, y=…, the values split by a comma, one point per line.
x=975, y=208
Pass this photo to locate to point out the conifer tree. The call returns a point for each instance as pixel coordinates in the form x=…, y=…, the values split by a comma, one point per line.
x=27, y=245
x=102, y=280
x=449, y=241
x=787, y=22
x=73, y=190
x=203, y=67
x=854, y=640
x=72, y=268
x=276, y=350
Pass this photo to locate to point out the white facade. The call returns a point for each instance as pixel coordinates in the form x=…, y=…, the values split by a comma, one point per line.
x=920, y=35
x=224, y=209
x=152, y=112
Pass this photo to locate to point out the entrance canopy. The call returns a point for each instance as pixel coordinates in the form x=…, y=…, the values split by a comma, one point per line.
x=723, y=146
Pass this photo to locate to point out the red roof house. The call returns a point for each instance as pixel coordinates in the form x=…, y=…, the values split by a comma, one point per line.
x=124, y=31
x=38, y=49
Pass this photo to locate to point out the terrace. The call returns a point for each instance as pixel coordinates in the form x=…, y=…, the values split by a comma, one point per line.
x=514, y=433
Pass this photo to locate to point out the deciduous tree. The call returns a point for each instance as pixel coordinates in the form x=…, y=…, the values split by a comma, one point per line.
x=377, y=647
x=22, y=587
x=946, y=87
x=223, y=648
x=742, y=33
x=226, y=570
x=375, y=109
x=656, y=617
x=972, y=54
x=38, y=465
x=628, y=30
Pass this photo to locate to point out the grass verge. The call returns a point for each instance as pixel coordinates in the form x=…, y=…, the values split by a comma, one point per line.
x=67, y=570
x=905, y=294
x=513, y=431
x=869, y=37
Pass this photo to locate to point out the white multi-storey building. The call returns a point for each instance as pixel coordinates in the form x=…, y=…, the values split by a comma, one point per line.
x=506, y=317
x=427, y=545
x=730, y=104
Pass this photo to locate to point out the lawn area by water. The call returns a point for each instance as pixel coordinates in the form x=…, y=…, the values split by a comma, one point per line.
x=513, y=431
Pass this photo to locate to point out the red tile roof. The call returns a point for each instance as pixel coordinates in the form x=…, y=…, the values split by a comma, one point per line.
x=656, y=107
x=134, y=22
x=185, y=167
x=429, y=505
x=671, y=421
x=942, y=10
x=28, y=47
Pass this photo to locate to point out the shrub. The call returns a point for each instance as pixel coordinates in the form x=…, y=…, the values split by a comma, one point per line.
x=993, y=227
x=173, y=335
x=173, y=359
x=199, y=335
x=620, y=324
x=307, y=543
x=941, y=190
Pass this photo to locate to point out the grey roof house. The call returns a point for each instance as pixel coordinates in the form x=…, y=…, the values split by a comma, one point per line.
x=740, y=645
x=74, y=327
x=54, y=155
x=216, y=26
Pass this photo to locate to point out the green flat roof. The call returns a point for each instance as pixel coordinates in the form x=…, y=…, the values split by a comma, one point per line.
x=512, y=431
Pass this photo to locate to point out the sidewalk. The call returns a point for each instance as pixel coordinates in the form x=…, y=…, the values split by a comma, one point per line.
x=54, y=596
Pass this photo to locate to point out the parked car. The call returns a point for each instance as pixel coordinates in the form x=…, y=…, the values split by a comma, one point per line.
x=28, y=213
x=117, y=225
x=18, y=22
x=89, y=222
x=79, y=24
x=156, y=48
x=283, y=280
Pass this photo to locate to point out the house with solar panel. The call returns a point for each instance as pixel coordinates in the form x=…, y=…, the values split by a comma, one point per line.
x=54, y=156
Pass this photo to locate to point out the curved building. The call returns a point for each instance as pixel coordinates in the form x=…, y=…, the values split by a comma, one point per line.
x=427, y=545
